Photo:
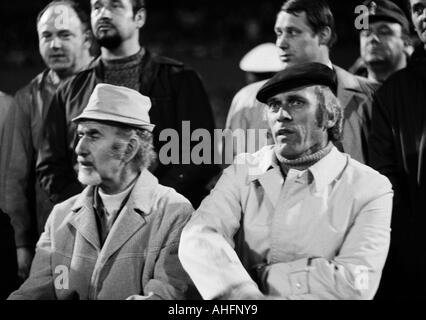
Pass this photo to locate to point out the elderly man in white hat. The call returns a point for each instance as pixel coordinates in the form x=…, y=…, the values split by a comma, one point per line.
x=119, y=238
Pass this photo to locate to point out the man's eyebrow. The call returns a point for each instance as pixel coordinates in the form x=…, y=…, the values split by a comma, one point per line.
x=90, y=132
x=294, y=97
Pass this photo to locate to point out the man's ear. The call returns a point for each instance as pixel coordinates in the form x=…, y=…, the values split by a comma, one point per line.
x=140, y=17
x=331, y=121
x=131, y=150
x=324, y=36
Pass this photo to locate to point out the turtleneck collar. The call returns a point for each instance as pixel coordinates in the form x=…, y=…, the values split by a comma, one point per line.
x=129, y=61
x=303, y=162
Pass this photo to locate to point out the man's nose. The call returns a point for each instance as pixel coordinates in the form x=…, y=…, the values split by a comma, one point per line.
x=105, y=13
x=282, y=42
x=373, y=37
x=56, y=43
x=283, y=115
x=81, y=148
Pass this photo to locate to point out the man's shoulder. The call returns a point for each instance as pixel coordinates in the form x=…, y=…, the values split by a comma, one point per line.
x=363, y=175
x=250, y=91
x=61, y=210
x=356, y=83
x=35, y=82
x=166, y=61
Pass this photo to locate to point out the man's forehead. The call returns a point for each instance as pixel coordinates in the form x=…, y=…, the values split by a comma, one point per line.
x=383, y=24
x=94, y=125
x=297, y=19
x=60, y=16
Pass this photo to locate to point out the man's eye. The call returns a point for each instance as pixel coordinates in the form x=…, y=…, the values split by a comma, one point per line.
x=418, y=10
x=274, y=107
x=295, y=103
x=293, y=32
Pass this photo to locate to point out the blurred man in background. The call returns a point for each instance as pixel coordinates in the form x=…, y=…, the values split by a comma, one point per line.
x=64, y=42
x=398, y=150
x=385, y=44
x=176, y=91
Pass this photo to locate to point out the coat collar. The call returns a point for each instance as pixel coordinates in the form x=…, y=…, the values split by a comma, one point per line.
x=269, y=175
x=131, y=219
x=347, y=86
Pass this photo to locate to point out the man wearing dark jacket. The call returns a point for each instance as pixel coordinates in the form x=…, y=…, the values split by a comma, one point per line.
x=65, y=49
x=398, y=150
x=176, y=92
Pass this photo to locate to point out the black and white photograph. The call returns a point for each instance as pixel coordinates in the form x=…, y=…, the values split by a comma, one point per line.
x=240, y=151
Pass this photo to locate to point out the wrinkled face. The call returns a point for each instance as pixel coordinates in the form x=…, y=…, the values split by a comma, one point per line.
x=295, y=38
x=62, y=41
x=99, y=153
x=113, y=22
x=296, y=123
x=418, y=16
x=382, y=43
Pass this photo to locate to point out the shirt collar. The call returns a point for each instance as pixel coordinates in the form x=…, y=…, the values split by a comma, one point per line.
x=324, y=172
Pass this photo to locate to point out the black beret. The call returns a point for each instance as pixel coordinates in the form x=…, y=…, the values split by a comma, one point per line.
x=296, y=76
x=386, y=10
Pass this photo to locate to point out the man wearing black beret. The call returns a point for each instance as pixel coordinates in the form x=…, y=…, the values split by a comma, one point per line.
x=298, y=219
x=385, y=44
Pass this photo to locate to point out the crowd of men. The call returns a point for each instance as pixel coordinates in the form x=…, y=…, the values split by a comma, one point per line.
x=329, y=207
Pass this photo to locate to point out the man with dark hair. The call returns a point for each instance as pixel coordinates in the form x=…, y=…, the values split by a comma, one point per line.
x=64, y=43
x=398, y=150
x=298, y=219
x=305, y=32
x=176, y=92
x=119, y=238
x=384, y=45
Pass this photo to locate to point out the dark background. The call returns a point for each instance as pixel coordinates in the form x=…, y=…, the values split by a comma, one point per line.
x=211, y=36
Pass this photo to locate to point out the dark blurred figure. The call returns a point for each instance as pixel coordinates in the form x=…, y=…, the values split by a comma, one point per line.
x=176, y=91
x=385, y=45
x=64, y=43
x=398, y=150
x=8, y=265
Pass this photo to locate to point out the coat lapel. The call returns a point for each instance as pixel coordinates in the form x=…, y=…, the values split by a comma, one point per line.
x=84, y=220
x=134, y=214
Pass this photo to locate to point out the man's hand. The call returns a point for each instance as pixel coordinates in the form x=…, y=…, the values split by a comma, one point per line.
x=25, y=257
x=137, y=297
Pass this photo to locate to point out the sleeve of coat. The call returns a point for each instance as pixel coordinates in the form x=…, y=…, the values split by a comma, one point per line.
x=18, y=150
x=40, y=284
x=192, y=104
x=54, y=165
x=167, y=279
x=207, y=244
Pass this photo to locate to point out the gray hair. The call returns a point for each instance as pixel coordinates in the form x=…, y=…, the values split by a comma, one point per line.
x=145, y=154
x=329, y=105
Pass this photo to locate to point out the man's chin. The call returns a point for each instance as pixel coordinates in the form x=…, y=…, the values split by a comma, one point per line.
x=89, y=179
x=109, y=42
